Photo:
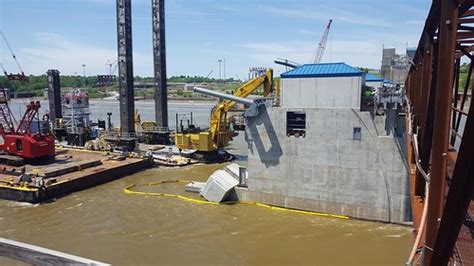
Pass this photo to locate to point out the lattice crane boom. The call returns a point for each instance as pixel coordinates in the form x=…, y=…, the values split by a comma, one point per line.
x=322, y=44
x=21, y=76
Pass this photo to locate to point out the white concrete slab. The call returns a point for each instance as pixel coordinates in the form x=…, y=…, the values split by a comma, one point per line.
x=218, y=186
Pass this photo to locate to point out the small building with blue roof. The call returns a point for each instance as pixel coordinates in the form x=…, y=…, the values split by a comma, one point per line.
x=374, y=81
x=327, y=85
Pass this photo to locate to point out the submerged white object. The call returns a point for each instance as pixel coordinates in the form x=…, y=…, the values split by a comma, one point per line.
x=218, y=186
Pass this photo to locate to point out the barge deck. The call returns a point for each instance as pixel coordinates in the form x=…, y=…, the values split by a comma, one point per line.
x=71, y=171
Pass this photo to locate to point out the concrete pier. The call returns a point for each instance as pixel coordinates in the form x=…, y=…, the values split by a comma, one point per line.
x=342, y=165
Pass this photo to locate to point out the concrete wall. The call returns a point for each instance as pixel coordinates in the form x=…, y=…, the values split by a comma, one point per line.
x=330, y=92
x=327, y=171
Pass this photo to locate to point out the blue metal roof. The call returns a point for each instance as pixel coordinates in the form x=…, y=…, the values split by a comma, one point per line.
x=323, y=70
x=372, y=78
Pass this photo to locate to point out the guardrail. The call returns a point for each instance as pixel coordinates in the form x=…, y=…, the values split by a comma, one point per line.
x=40, y=256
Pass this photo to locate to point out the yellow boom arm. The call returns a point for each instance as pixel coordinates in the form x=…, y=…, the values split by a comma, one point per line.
x=218, y=135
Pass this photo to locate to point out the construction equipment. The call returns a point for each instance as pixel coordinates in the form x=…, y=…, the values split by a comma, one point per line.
x=19, y=77
x=112, y=66
x=322, y=45
x=28, y=140
x=318, y=56
x=219, y=134
x=287, y=63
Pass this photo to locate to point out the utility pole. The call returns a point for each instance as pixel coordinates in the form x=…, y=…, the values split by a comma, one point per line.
x=84, y=74
x=220, y=68
x=224, y=68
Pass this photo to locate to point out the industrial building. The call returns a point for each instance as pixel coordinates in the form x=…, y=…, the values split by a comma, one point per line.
x=395, y=66
x=321, y=86
x=319, y=151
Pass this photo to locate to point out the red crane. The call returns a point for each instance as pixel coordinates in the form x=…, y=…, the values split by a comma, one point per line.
x=23, y=141
x=322, y=44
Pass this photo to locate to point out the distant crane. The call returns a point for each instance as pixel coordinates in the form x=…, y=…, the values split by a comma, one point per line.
x=322, y=45
x=21, y=76
x=112, y=66
x=209, y=74
x=318, y=55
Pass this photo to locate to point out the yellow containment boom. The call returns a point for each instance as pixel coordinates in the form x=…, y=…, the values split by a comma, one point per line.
x=218, y=135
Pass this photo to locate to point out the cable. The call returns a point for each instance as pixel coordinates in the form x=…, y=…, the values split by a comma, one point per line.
x=426, y=176
x=13, y=54
x=3, y=68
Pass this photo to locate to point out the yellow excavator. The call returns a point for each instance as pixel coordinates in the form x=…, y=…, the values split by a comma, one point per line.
x=219, y=134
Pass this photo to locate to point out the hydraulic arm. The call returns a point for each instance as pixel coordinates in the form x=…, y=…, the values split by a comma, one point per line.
x=218, y=135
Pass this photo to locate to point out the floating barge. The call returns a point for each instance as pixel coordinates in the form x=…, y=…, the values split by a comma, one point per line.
x=72, y=170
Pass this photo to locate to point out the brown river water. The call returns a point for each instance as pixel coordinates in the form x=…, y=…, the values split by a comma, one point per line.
x=103, y=223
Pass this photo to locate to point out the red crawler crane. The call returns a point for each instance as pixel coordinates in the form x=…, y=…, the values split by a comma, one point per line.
x=23, y=141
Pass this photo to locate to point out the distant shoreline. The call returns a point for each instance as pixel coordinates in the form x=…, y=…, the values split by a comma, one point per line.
x=170, y=100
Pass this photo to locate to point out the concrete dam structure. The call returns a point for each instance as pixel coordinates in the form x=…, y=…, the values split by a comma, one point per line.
x=322, y=153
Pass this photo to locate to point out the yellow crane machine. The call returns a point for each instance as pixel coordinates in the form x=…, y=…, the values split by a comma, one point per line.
x=219, y=134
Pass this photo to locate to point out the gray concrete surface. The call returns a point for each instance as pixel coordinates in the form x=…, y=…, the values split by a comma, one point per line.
x=328, y=171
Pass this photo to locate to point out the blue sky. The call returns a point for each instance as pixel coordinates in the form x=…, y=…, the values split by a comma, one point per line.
x=65, y=34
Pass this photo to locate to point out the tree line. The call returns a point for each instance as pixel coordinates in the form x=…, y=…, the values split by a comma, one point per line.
x=36, y=84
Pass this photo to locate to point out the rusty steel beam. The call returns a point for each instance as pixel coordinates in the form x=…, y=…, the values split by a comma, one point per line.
x=461, y=191
x=455, y=98
x=426, y=83
x=463, y=101
x=418, y=89
x=466, y=20
x=159, y=59
x=467, y=51
x=424, y=105
x=445, y=74
x=465, y=35
x=427, y=141
x=464, y=9
x=460, y=111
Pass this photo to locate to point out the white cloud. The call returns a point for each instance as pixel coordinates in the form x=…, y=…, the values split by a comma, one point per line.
x=415, y=22
x=325, y=13
x=309, y=32
x=51, y=50
x=356, y=53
